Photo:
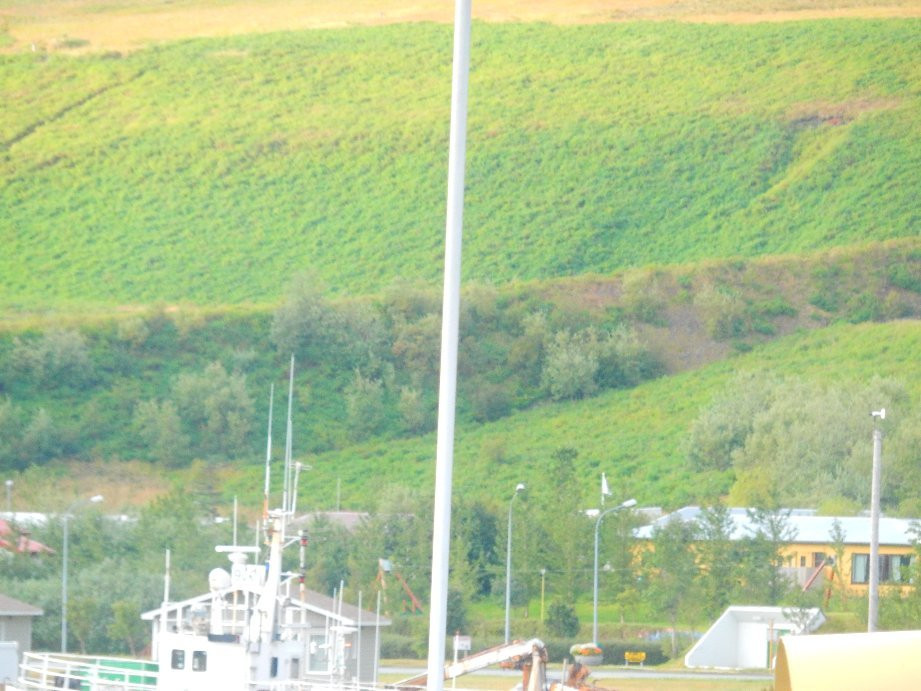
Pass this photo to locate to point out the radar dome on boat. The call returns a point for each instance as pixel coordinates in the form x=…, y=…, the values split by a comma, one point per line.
x=218, y=579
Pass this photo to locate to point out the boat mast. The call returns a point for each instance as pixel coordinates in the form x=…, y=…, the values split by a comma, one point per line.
x=286, y=499
x=447, y=393
x=268, y=454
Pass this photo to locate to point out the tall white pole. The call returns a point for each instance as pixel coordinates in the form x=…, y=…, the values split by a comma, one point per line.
x=268, y=454
x=93, y=500
x=377, y=638
x=508, y=562
x=447, y=392
x=873, y=604
x=64, y=589
x=626, y=505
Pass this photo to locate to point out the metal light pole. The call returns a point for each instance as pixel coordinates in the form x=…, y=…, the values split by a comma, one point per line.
x=508, y=560
x=450, y=324
x=92, y=500
x=626, y=505
x=543, y=582
x=873, y=605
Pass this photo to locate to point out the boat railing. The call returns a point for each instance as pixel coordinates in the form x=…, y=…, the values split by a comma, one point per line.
x=54, y=671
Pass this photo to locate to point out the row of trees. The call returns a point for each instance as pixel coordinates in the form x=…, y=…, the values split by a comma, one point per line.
x=116, y=566
x=787, y=441
x=142, y=388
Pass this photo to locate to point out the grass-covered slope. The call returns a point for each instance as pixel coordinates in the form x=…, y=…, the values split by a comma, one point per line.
x=209, y=171
x=638, y=437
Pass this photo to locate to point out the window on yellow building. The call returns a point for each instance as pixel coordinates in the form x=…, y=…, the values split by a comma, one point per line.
x=893, y=568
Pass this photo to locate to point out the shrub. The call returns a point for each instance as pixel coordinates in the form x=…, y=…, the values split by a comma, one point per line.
x=562, y=619
x=395, y=645
x=571, y=364
x=489, y=401
x=723, y=312
x=365, y=404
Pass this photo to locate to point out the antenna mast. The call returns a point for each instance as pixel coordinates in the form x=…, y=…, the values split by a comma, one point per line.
x=268, y=453
x=286, y=499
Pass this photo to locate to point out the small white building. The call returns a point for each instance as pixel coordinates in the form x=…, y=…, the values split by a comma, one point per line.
x=747, y=637
x=15, y=633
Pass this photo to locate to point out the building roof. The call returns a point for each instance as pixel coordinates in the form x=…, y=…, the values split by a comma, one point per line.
x=10, y=607
x=806, y=526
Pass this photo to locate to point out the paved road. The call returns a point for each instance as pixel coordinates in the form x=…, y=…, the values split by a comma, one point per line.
x=599, y=673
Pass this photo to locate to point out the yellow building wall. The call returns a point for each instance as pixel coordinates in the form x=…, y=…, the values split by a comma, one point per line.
x=801, y=555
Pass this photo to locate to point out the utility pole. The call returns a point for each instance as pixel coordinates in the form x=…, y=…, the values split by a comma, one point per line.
x=873, y=605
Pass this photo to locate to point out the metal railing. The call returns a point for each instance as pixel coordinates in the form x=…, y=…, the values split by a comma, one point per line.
x=55, y=671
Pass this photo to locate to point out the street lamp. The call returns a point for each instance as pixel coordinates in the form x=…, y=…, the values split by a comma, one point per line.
x=92, y=500
x=601, y=514
x=508, y=559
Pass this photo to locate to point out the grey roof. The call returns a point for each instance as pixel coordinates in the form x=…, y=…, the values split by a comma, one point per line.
x=806, y=526
x=14, y=608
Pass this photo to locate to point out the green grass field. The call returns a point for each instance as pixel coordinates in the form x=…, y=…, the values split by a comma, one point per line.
x=209, y=171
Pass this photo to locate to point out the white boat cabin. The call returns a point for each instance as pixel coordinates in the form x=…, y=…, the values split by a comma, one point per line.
x=232, y=636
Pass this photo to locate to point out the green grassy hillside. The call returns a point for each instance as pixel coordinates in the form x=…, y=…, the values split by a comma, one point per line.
x=209, y=171
x=637, y=437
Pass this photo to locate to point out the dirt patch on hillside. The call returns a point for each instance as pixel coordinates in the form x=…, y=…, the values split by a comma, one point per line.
x=83, y=25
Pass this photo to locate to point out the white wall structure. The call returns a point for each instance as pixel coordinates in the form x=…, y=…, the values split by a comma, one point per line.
x=746, y=637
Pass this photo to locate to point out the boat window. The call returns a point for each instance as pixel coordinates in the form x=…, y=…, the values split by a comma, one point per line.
x=177, y=659
x=199, y=661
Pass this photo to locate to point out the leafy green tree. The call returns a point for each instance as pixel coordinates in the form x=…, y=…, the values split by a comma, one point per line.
x=218, y=406
x=416, y=345
x=724, y=427
x=83, y=615
x=570, y=365
x=527, y=350
x=159, y=427
x=489, y=401
x=365, y=406
x=762, y=556
x=722, y=309
x=568, y=531
x=717, y=559
x=456, y=615
x=306, y=323
x=562, y=620
x=126, y=625
x=671, y=572
x=476, y=530
x=623, y=360
x=414, y=411
x=41, y=439
x=328, y=552
x=10, y=426
x=58, y=357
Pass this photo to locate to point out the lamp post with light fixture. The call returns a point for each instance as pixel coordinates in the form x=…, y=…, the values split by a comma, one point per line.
x=92, y=500
x=601, y=514
x=508, y=560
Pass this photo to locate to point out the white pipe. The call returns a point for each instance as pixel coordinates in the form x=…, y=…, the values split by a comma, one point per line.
x=447, y=394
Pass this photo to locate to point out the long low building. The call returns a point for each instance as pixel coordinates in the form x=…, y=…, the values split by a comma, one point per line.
x=809, y=554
